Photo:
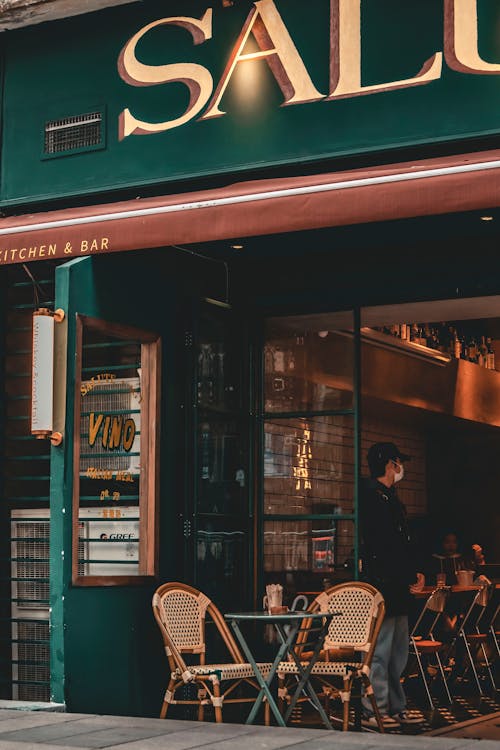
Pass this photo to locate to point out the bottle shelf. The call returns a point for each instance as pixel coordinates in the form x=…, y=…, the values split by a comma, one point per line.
x=410, y=348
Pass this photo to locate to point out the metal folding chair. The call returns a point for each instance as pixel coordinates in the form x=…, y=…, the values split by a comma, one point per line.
x=473, y=634
x=423, y=644
x=494, y=633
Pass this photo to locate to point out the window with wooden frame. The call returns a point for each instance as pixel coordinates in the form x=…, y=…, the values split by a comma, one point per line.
x=116, y=454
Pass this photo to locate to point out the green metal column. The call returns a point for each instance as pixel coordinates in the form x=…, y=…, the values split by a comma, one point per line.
x=61, y=488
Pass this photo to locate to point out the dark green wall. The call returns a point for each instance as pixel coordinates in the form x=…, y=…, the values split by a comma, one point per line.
x=69, y=67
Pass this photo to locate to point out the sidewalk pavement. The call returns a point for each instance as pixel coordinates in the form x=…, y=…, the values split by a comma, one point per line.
x=49, y=730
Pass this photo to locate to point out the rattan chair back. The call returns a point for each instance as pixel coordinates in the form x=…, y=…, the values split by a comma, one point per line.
x=361, y=608
x=348, y=647
x=180, y=612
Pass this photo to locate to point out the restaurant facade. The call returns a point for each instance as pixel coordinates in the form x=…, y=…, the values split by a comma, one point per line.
x=238, y=245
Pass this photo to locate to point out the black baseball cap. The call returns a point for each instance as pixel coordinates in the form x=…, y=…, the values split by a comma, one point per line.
x=383, y=452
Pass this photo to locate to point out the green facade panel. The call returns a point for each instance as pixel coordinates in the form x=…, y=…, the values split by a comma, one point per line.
x=70, y=68
x=106, y=652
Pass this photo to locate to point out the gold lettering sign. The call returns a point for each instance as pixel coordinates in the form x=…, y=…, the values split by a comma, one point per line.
x=461, y=39
x=53, y=250
x=278, y=50
x=116, y=431
x=345, y=60
x=197, y=78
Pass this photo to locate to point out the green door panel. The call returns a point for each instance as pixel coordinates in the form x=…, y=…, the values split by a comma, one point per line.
x=107, y=655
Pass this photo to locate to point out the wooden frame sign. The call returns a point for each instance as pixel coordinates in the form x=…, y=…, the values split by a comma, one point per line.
x=116, y=454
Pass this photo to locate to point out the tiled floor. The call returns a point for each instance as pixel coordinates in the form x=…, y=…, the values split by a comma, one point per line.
x=463, y=709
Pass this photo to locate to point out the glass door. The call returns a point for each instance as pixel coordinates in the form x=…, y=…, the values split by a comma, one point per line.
x=310, y=451
x=220, y=477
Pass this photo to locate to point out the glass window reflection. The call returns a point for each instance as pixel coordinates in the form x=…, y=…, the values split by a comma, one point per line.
x=309, y=465
x=308, y=370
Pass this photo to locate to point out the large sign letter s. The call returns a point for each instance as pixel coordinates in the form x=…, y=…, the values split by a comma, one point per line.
x=197, y=78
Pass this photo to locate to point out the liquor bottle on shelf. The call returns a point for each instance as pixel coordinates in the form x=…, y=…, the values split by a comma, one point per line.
x=434, y=339
x=490, y=356
x=403, y=331
x=452, y=337
x=482, y=353
x=443, y=339
x=464, y=350
x=472, y=350
x=457, y=346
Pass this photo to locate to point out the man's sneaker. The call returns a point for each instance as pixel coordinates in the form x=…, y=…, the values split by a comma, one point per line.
x=389, y=722
x=409, y=717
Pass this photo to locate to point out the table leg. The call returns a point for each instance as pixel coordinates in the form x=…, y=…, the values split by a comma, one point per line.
x=305, y=683
x=356, y=693
x=264, y=684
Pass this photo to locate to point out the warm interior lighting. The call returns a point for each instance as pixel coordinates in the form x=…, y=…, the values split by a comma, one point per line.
x=486, y=218
x=302, y=457
x=237, y=247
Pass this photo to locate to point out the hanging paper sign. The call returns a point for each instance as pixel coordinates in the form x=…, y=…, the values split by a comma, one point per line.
x=42, y=395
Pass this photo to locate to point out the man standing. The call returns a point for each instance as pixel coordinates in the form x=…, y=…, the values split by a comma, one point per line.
x=389, y=565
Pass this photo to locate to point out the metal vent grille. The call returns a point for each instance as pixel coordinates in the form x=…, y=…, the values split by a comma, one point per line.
x=36, y=631
x=31, y=670
x=82, y=553
x=73, y=133
x=32, y=557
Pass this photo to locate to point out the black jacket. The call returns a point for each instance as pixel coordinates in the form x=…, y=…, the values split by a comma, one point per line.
x=386, y=548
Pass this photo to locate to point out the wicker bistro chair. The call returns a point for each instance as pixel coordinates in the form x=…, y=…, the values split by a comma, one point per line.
x=348, y=647
x=423, y=644
x=180, y=612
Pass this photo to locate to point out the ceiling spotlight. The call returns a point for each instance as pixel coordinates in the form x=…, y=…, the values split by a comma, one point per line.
x=237, y=247
x=323, y=334
x=486, y=218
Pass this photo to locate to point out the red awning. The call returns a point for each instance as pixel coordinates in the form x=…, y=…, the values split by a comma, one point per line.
x=396, y=191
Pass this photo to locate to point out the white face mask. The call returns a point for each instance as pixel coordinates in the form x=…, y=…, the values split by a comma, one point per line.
x=400, y=474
